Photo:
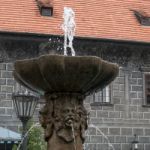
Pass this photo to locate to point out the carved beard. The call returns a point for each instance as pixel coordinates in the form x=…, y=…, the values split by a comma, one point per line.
x=65, y=134
x=64, y=124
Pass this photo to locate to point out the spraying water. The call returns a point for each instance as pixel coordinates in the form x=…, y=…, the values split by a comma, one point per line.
x=69, y=29
x=18, y=148
x=110, y=146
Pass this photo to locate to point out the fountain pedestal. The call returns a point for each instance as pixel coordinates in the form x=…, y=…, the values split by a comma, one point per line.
x=64, y=120
x=65, y=81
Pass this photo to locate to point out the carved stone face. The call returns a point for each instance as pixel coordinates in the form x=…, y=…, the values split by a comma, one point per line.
x=69, y=115
x=64, y=117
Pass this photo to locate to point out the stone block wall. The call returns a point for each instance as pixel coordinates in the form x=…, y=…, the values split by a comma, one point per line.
x=115, y=125
x=7, y=115
x=8, y=118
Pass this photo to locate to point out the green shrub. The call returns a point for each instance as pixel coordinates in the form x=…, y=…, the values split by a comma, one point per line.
x=35, y=138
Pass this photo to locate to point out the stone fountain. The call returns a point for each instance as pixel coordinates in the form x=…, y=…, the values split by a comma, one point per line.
x=65, y=82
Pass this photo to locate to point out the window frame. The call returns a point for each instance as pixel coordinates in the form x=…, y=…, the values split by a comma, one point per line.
x=145, y=104
x=44, y=10
x=102, y=103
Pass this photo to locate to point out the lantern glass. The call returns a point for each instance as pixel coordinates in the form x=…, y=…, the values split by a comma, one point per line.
x=24, y=105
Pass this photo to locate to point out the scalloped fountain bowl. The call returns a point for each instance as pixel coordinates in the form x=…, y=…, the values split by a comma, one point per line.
x=65, y=81
x=56, y=73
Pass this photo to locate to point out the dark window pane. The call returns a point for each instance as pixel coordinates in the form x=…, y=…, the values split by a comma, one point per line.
x=46, y=11
x=147, y=88
x=103, y=96
x=148, y=99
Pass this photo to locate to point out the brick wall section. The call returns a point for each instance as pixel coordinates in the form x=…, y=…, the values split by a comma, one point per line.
x=95, y=18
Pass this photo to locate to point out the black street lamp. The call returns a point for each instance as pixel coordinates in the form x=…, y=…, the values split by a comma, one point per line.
x=135, y=143
x=24, y=104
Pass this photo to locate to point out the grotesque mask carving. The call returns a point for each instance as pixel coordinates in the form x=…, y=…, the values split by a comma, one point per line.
x=68, y=118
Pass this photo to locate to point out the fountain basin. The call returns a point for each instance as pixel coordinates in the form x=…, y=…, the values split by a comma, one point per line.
x=57, y=73
x=65, y=80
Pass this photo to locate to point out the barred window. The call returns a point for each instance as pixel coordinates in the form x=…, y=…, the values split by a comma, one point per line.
x=102, y=97
x=147, y=88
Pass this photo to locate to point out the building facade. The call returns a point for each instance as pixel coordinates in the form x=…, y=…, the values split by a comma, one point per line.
x=119, y=111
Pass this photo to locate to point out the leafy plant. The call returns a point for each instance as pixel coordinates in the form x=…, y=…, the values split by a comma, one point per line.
x=35, y=138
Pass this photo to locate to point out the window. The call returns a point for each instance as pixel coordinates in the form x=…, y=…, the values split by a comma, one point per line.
x=45, y=7
x=147, y=88
x=46, y=11
x=102, y=97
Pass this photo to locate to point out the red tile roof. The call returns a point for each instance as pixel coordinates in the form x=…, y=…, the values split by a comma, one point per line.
x=109, y=19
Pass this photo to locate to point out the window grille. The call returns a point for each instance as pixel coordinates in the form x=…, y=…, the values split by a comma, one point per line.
x=102, y=97
x=147, y=88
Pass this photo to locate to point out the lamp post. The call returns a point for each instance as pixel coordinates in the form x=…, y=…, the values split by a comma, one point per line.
x=24, y=104
x=135, y=143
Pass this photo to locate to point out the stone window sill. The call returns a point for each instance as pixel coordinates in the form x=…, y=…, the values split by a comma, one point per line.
x=101, y=104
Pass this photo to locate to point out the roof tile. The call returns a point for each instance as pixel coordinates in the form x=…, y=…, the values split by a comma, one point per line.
x=110, y=19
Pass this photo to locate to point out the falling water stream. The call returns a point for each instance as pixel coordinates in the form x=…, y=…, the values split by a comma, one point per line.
x=75, y=148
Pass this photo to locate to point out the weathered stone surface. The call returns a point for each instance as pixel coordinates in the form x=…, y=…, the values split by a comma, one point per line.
x=126, y=131
x=147, y=132
x=144, y=139
x=64, y=120
x=2, y=81
x=8, y=89
x=117, y=146
x=120, y=139
x=10, y=66
x=55, y=73
x=6, y=103
x=101, y=114
x=138, y=131
x=2, y=66
x=126, y=146
x=137, y=75
x=10, y=82
x=147, y=146
x=7, y=74
x=114, y=131
x=120, y=107
x=65, y=81
x=2, y=111
x=114, y=114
